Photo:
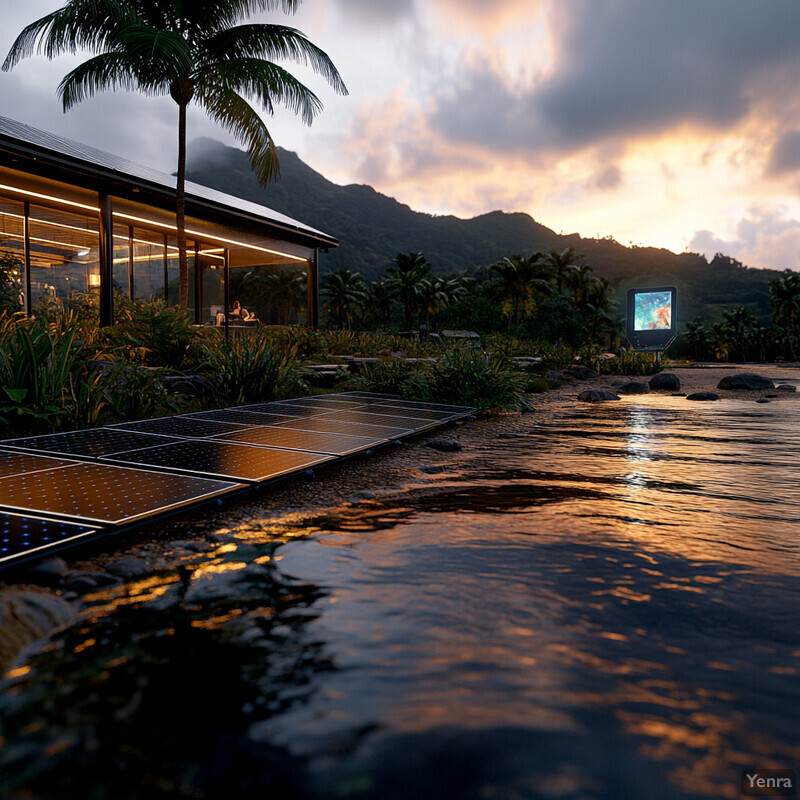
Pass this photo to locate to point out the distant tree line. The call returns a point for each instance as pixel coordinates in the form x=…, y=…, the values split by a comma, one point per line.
x=551, y=295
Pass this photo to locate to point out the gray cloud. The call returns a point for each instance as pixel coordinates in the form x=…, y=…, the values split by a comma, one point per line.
x=609, y=178
x=627, y=69
x=785, y=156
x=377, y=12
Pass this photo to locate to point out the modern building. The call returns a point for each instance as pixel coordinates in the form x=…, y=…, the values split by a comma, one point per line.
x=77, y=223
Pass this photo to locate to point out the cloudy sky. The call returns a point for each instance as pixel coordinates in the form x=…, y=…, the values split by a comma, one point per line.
x=673, y=123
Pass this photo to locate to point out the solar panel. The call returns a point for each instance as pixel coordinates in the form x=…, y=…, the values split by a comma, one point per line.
x=406, y=422
x=25, y=536
x=331, y=443
x=180, y=426
x=425, y=405
x=328, y=425
x=91, y=443
x=220, y=459
x=404, y=411
x=92, y=492
x=239, y=418
x=370, y=394
x=15, y=463
x=324, y=402
x=285, y=409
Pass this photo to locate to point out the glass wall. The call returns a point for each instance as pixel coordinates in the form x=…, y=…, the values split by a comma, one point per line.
x=64, y=256
x=275, y=289
x=149, y=265
x=122, y=260
x=12, y=255
x=174, y=273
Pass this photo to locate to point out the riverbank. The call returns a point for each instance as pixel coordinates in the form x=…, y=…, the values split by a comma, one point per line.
x=280, y=510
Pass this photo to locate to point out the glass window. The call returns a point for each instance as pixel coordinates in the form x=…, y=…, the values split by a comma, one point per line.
x=275, y=290
x=12, y=255
x=122, y=253
x=64, y=252
x=148, y=265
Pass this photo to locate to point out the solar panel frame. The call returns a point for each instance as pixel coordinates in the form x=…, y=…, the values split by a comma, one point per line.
x=306, y=441
x=173, y=458
x=362, y=418
x=91, y=443
x=86, y=491
x=284, y=409
x=15, y=540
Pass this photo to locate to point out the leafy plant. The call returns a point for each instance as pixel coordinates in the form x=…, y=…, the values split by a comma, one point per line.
x=136, y=392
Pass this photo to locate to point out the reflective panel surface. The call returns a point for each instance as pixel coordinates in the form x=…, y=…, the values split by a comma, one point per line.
x=180, y=426
x=408, y=423
x=211, y=457
x=240, y=418
x=91, y=443
x=12, y=463
x=105, y=493
x=334, y=444
x=328, y=425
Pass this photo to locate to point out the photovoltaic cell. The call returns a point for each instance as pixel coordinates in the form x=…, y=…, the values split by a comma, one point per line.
x=331, y=443
x=401, y=411
x=26, y=536
x=91, y=443
x=92, y=492
x=12, y=463
x=218, y=459
x=240, y=418
x=327, y=425
x=325, y=402
x=181, y=426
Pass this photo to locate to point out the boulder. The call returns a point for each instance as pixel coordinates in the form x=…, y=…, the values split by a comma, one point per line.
x=597, y=396
x=634, y=387
x=745, y=381
x=26, y=617
x=445, y=445
x=665, y=382
x=786, y=387
x=557, y=375
x=703, y=396
x=127, y=568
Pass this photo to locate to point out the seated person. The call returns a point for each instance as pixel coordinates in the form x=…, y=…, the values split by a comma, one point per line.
x=240, y=314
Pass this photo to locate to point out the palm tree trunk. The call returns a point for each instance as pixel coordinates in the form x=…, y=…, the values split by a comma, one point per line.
x=180, y=211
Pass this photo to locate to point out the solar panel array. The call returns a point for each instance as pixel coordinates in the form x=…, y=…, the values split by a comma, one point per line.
x=63, y=488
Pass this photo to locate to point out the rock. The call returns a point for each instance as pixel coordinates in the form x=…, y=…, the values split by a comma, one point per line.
x=634, y=387
x=745, y=381
x=363, y=494
x=101, y=578
x=665, y=382
x=762, y=400
x=81, y=583
x=786, y=387
x=433, y=469
x=445, y=445
x=50, y=572
x=128, y=568
x=557, y=375
x=189, y=385
x=584, y=373
x=26, y=617
x=597, y=396
x=703, y=396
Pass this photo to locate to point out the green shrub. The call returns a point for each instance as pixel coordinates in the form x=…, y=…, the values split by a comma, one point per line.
x=136, y=392
x=386, y=377
x=250, y=369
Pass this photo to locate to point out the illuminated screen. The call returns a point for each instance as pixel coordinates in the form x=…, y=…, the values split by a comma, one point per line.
x=652, y=311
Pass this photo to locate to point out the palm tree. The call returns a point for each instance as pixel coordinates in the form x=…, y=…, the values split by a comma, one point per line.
x=437, y=293
x=784, y=297
x=194, y=51
x=559, y=264
x=404, y=278
x=345, y=294
x=381, y=301
x=512, y=273
x=697, y=338
x=741, y=322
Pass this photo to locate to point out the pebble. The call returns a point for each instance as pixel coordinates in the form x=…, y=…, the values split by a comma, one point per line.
x=363, y=494
x=444, y=445
x=786, y=387
x=703, y=396
x=128, y=568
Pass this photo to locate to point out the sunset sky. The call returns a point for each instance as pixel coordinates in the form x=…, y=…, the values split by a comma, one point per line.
x=673, y=123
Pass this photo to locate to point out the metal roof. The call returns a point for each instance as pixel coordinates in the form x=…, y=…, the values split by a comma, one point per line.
x=95, y=161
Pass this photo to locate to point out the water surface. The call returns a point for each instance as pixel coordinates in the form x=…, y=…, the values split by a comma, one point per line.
x=604, y=606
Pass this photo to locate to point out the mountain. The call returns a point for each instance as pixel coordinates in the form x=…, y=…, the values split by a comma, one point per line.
x=372, y=228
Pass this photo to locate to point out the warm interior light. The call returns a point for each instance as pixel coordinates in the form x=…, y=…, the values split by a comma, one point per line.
x=94, y=280
x=212, y=236
x=50, y=197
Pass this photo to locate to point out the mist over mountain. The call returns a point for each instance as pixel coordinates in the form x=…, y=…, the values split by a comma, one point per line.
x=372, y=228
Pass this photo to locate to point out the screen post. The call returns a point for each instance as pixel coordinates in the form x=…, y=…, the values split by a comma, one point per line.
x=651, y=318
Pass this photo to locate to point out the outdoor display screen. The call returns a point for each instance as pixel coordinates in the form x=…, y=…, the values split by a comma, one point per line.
x=651, y=317
x=652, y=311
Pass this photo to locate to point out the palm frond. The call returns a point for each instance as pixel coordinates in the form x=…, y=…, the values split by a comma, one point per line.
x=271, y=42
x=80, y=24
x=265, y=81
x=106, y=71
x=235, y=114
